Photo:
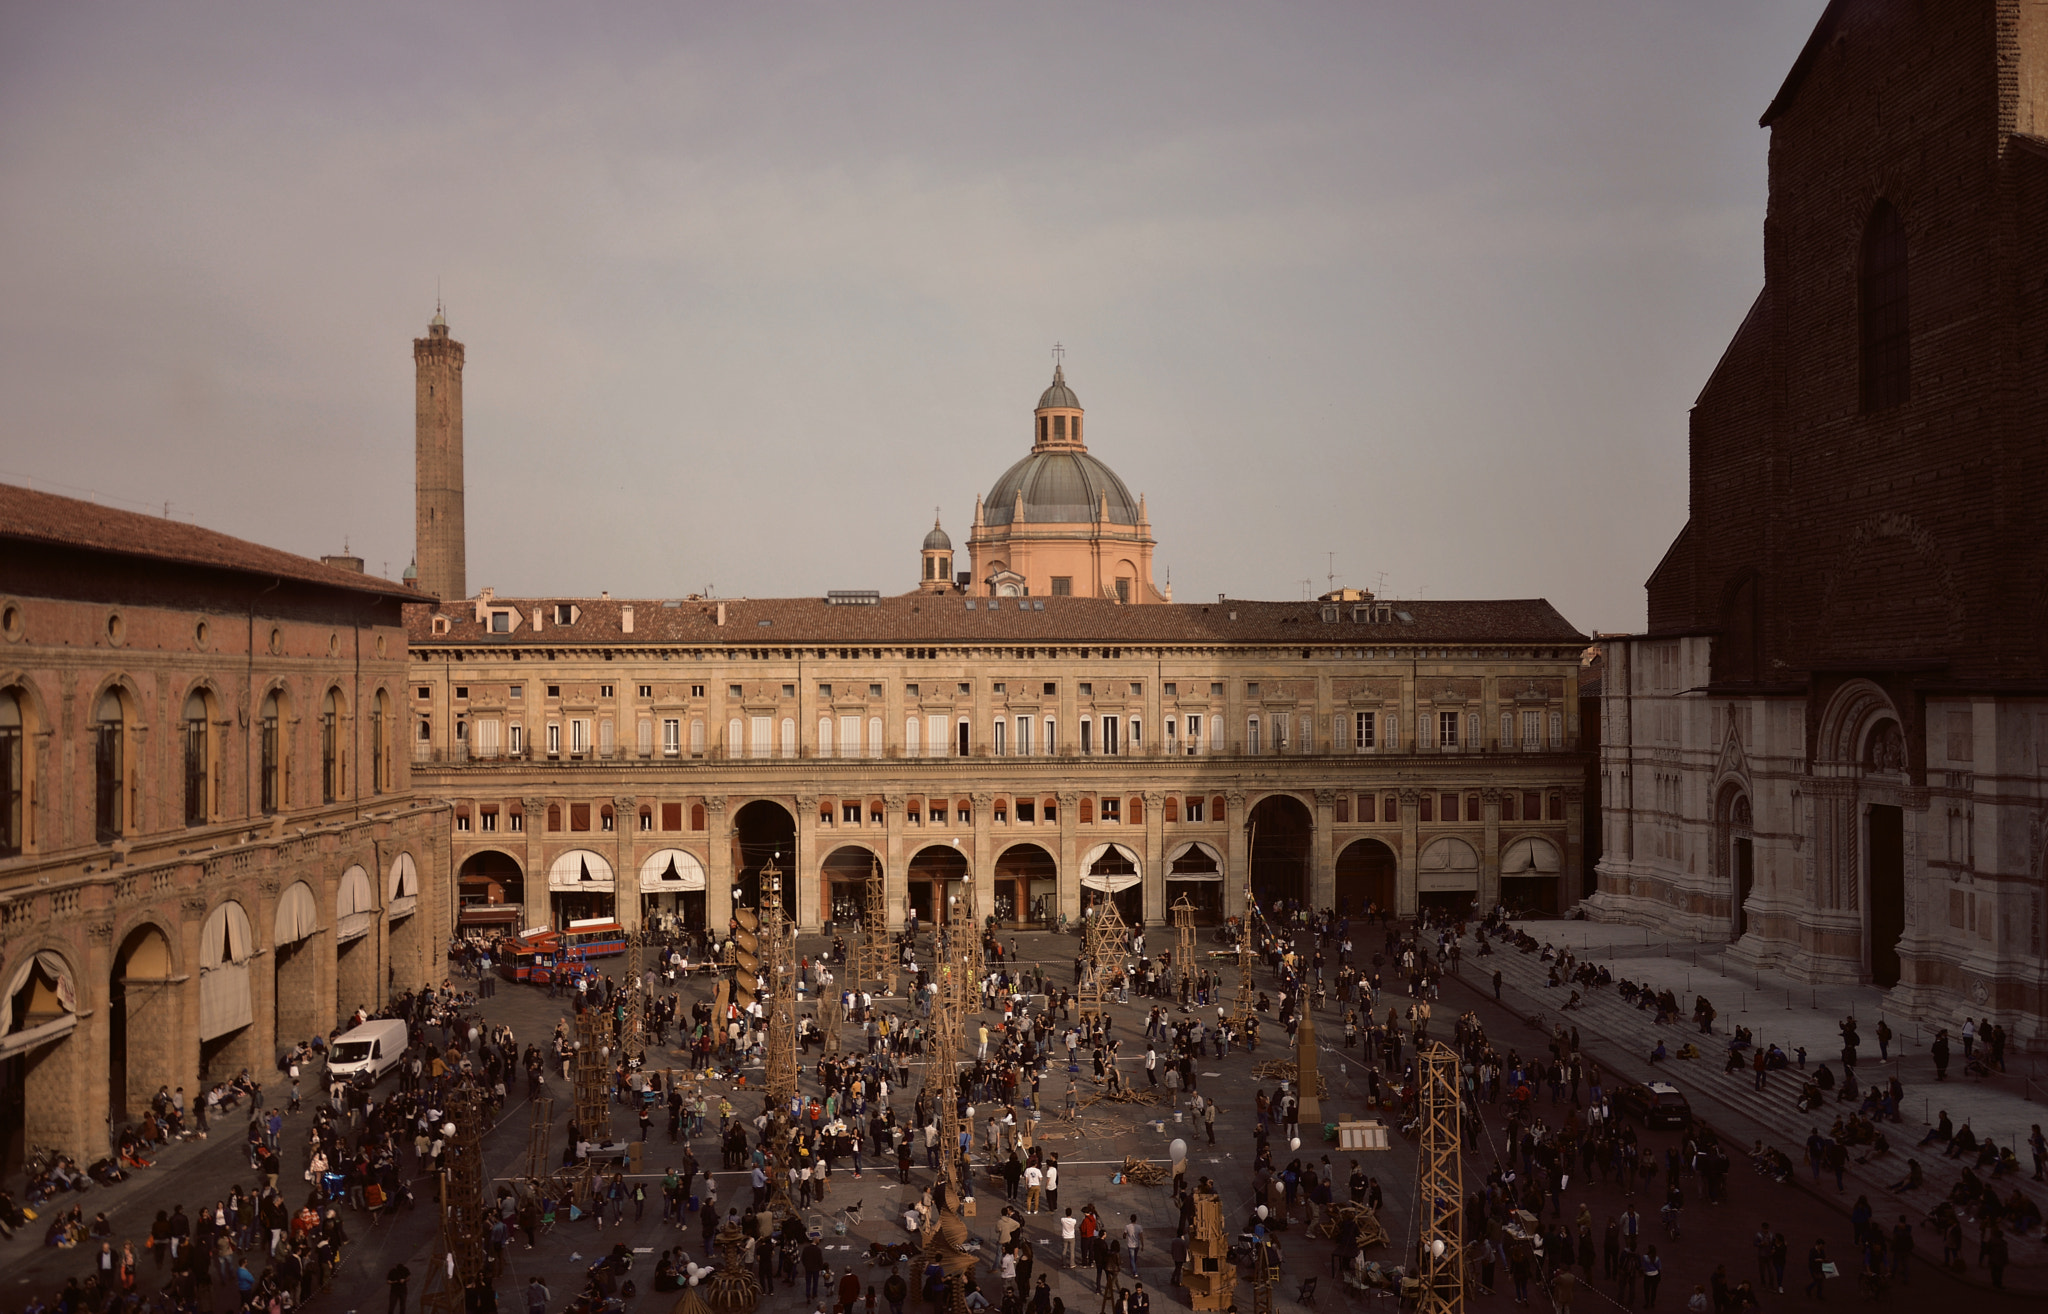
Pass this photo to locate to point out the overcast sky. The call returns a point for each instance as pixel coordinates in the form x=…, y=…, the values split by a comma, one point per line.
x=749, y=289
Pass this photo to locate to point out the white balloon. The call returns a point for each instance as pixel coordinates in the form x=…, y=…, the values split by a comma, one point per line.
x=1294, y=1142
x=1177, y=1151
x=1436, y=1247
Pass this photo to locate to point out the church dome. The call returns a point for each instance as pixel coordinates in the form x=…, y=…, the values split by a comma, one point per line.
x=1060, y=486
x=937, y=540
x=1059, y=395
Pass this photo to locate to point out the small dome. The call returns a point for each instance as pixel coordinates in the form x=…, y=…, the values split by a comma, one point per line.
x=1059, y=395
x=1060, y=487
x=937, y=540
x=412, y=572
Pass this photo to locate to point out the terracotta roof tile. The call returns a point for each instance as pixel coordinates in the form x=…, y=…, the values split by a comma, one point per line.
x=36, y=517
x=919, y=618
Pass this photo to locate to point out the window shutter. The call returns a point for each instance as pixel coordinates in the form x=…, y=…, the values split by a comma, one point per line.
x=874, y=736
x=911, y=738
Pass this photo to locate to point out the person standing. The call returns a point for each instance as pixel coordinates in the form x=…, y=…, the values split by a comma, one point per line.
x=1938, y=1051
x=1763, y=1256
x=537, y=1296
x=1209, y=1119
x=1069, y=1228
x=396, y=1280
x=1653, y=1272
x=1052, y=1183
x=1134, y=1241
x=1902, y=1251
x=1817, y=1270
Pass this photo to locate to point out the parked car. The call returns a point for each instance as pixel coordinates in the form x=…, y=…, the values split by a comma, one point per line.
x=1656, y=1104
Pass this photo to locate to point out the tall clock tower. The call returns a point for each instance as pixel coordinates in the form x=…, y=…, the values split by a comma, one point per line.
x=437, y=479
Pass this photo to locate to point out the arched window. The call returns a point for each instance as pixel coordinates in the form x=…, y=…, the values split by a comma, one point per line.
x=1881, y=292
x=14, y=765
x=554, y=816
x=271, y=732
x=109, y=769
x=380, y=752
x=1172, y=808
x=333, y=759
x=198, y=761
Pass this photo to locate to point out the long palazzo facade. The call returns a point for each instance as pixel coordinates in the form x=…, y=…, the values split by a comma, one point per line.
x=645, y=759
x=1830, y=747
x=210, y=846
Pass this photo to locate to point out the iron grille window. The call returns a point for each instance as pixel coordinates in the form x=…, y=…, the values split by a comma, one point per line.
x=195, y=765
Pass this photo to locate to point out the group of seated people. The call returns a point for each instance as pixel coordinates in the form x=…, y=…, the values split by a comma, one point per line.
x=1772, y=1162
x=1858, y=1130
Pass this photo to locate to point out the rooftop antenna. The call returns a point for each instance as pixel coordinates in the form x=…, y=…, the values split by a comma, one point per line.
x=1381, y=590
x=1304, y=589
x=1332, y=576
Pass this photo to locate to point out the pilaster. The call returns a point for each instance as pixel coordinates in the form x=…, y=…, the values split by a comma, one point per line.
x=1411, y=812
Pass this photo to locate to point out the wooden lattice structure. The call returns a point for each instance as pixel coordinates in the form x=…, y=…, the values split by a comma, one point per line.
x=1183, y=951
x=1210, y=1277
x=464, y=1219
x=1308, y=1081
x=633, y=1034
x=874, y=959
x=1440, y=1187
x=733, y=1288
x=1103, y=948
x=780, y=970
x=1244, y=1017
x=593, y=1075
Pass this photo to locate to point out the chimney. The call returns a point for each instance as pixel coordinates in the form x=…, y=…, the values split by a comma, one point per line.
x=626, y=618
x=536, y=620
x=721, y=613
x=344, y=562
x=604, y=595
x=483, y=602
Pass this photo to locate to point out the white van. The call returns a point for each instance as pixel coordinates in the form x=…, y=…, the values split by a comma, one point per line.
x=373, y=1048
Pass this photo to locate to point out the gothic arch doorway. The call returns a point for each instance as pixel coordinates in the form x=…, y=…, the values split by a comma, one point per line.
x=1738, y=856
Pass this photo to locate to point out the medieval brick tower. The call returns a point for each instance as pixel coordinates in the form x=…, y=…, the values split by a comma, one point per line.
x=437, y=372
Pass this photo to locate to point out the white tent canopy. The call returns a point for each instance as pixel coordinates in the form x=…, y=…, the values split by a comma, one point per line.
x=1194, y=850
x=403, y=887
x=58, y=971
x=1448, y=864
x=581, y=869
x=1110, y=881
x=1530, y=856
x=671, y=871
x=224, y=947
x=298, y=916
x=355, y=906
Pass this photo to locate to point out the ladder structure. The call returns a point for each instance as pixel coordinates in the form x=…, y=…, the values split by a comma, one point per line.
x=873, y=961
x=1103, y=948
x=593, y=1075
x=540, y=1129
x=1244, y=1017
x=779, y=1081
x=633, y=1036
x=1440, y=1184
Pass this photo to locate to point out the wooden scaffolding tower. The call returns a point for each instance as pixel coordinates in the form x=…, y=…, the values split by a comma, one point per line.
x=780, y=970
x=1183, y=951
x=1210, y=1277
x=465, y=1262
x=633, y=1034
x=593, y=1075
x=1103, y=953
x=874, y=960
x=1244, y=1017
x=1440, y=1187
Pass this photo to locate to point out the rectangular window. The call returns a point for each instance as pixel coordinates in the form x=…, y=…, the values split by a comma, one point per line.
x=644, y=736
x=671, y=736
x=1172, y=689
x=696, y=691
x=1532, y=730
x=1251, y=690
x=646, y=819
x=1447, y=730
x=1027, y=811
x=1450, y=807
x=1280, y=733
x=1112, y=811
x=732, y=691
x=1343, y=808
x=999, y=686
x=1427, y=808
x=604, y=691
x=1023, y=736
x=938, y=811
x=697, y=737
x=579, y=816
x=1087, y=736
x=824, y=691
x=849, y=811
x=1532, y=807
x=1216, y=690
x=1000, y=743
x=647, y=691
x=490, y=819
x=554, y=691
x=1051, y=689
x=501, y=622
x=1251, y=735
x=1172, y=726
x=671, y=816
x=1137, y=689
x=1194, y=736
x=1052, y=747
x=910, y=691
x=1363, y=724
x=554, y=739
x=761, y=736
x=1110, y=745
x=517, y=737
x=1194, y=807
x=579, y=738
x=518, y=692
x=1063, y=586
x=1087, y=689
x=518, y=822
x=1557, y=730
x=1368, y=807
x=961, y=733
x=462, y=819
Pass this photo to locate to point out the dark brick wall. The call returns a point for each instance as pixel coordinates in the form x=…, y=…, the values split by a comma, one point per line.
x=1907, y=535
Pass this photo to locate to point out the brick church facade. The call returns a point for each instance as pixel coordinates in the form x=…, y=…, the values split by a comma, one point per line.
x=1830, y=746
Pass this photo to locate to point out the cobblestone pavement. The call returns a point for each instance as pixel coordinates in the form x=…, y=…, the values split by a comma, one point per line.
x=201, y=1172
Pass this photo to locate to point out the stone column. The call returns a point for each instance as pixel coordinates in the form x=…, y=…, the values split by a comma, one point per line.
x=539, y=906
x=1155, y=858
x=1489, y=853
x=625, y=865
x=1070, y=850
x=1322, y=890
x=1411, y=812
x=980, y=860
x=1237, y=881
x=804, y=867
x=894, y=880
x=718, y=879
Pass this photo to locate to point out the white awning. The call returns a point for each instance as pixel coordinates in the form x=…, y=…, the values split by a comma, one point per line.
x=355, y=907
x=63, y=990
x=1194, y=850
x=1530, y=856
x=670, y=871
x=403, y=887
x=1215, y=876
x=1112, y=884
x=1448, y=864
x=581, y=869
x=297, y=915
x=224, y=948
